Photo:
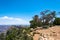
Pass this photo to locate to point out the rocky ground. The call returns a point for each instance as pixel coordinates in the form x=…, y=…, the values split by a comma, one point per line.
x=52, y=33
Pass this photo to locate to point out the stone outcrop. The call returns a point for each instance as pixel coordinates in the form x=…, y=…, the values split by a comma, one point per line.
x=52, y=33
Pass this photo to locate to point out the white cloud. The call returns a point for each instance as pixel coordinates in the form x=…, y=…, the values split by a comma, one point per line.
x=12, y=21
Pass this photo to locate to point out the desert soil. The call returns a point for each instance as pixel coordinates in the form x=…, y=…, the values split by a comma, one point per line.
x=52, y=33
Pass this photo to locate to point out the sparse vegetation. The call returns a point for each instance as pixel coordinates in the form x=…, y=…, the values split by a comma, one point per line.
x=45, y=21
x=57, y=21
x=17, y=34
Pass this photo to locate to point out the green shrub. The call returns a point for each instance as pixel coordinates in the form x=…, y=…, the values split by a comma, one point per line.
x=57, y=21
x=18, y=34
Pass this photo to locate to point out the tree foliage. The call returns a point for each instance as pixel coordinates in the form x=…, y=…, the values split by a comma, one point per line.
x=57, y=21
x=16, y=34
x=47, y=18
x=2, y=36
x=35, y=22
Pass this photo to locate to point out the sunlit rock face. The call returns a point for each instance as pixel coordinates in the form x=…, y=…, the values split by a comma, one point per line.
x=45, y=37
x=52, y=33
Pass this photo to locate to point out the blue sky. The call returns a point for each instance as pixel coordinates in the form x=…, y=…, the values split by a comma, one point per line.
x=26, y=9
